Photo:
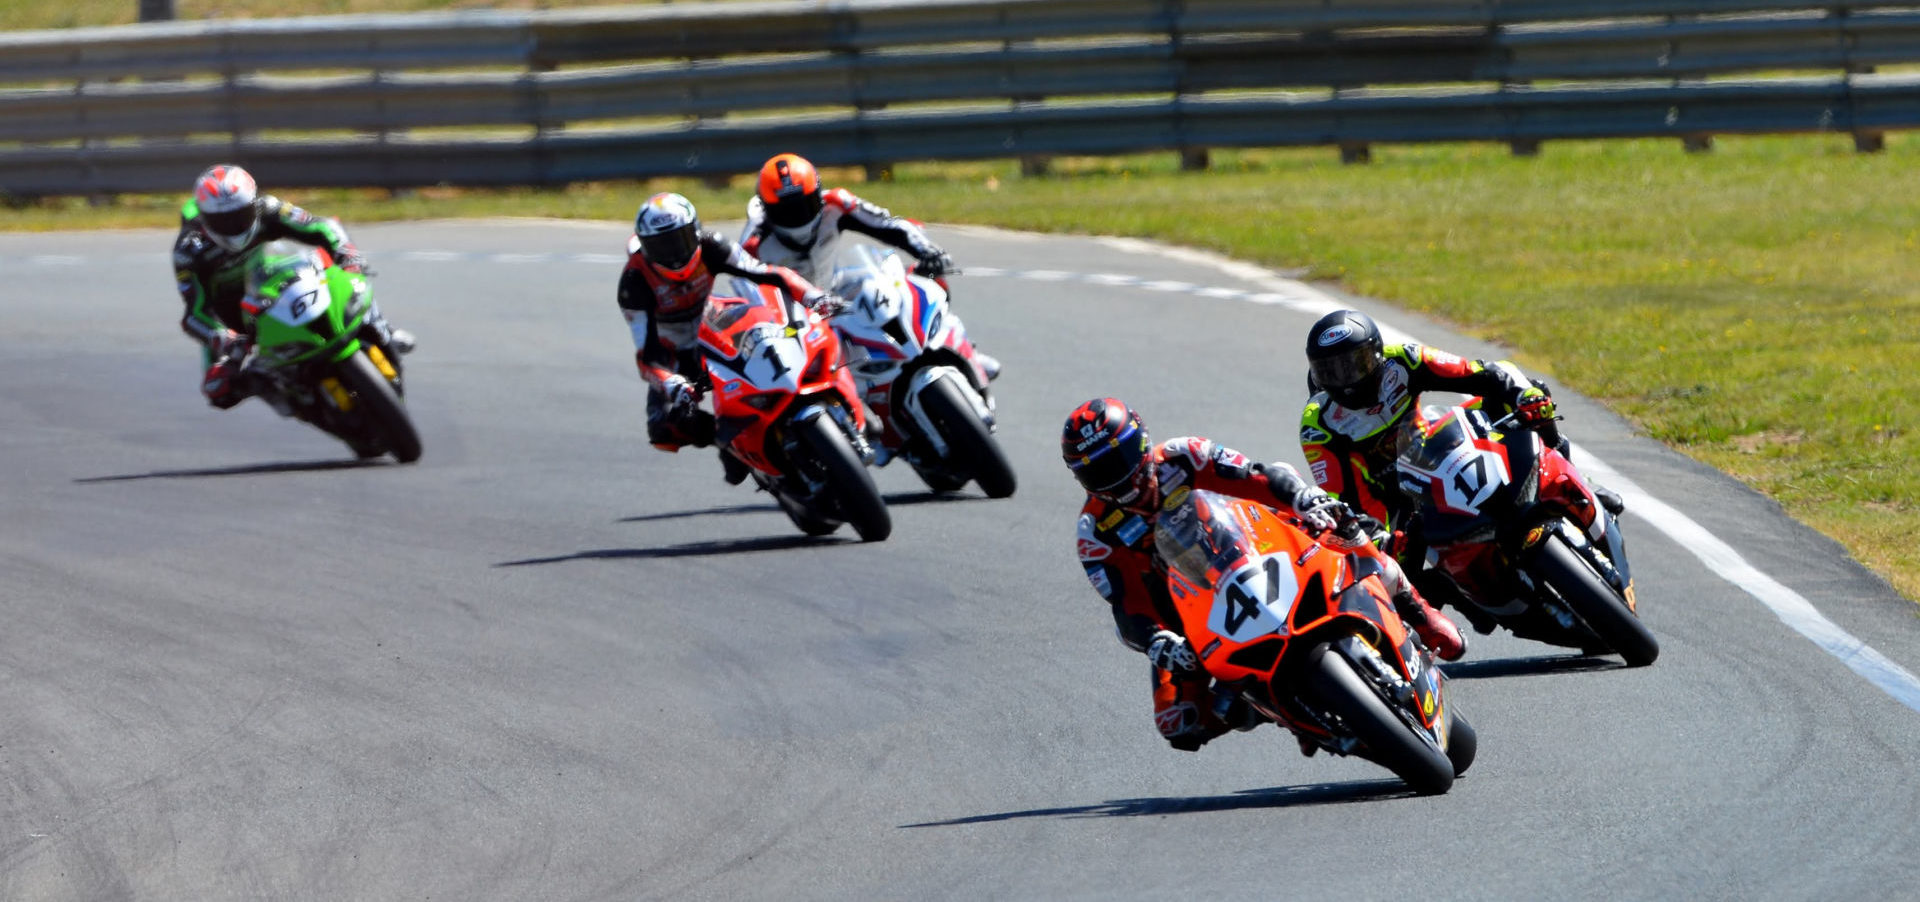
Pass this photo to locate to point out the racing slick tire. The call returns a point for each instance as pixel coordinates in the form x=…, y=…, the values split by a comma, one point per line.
x=1389, y=741
x=971, y=447
x=1595, y=602
x=1462, y=743
x=385, y=412
x=848, y=480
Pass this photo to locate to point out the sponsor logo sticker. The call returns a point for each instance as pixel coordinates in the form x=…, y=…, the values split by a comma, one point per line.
x=1113, y=519
x=1335, y=335
x=1175, y=498
x=1131, y=531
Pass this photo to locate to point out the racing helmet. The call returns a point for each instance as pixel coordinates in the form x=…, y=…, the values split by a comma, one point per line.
x=1107, y=447
x=229, y=207
x=1344, y=358
x=669, y=233
x=790, y=193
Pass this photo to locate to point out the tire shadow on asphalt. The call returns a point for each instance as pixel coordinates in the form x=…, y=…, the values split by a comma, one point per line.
x=1539, y=665
x=898, y=499
x=691, y=549
x=1271, y=797
x=297, y=466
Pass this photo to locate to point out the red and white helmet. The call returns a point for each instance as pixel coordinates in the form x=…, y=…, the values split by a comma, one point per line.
x=669, y=233
x=226, y=198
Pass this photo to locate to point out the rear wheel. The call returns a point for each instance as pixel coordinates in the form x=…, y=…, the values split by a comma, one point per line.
x=1595, y=602
x=971, y=448
x=848, y=480
x=382, y=407
x=1390, y=742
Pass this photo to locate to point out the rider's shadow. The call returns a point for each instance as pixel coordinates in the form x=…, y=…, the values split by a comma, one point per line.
x=690, y=549
x=1539, y=665
x=297, y=466
x=898, y=499
x=1272, y=797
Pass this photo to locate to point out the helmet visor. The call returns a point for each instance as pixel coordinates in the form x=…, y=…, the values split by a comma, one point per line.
x=672, y=249
x=1106, y=469
x=794, y=210
x=1345, y=370
x=231, y=223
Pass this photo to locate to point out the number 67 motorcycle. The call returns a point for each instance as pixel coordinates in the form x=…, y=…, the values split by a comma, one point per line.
x=309, y=359
x=1307, y=634
x=1513, y=524
x=785, y=406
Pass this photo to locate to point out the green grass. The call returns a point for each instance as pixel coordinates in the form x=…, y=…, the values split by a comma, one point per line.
x=1753, y=307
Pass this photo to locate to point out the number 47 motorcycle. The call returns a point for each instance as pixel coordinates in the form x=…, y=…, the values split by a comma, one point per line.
x=1305, y=631
x=1513, y=524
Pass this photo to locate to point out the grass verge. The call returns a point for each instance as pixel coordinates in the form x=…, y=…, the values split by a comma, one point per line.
x=1753, y=307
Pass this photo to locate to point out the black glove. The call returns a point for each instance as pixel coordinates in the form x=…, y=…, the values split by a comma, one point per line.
x=935, y=264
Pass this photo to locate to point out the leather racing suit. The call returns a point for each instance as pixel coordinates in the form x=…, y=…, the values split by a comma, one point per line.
x=212, y=279
x=1117, y=551
x=664, y=316
x=840, y=211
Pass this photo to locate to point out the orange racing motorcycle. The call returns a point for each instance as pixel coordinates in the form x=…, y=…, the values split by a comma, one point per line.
x=1306, y=632
x=1512, y=522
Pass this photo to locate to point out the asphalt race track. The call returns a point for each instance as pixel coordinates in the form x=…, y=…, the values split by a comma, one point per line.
x=550, y=662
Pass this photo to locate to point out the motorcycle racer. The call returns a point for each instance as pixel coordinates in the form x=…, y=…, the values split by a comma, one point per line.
x=221, y=226
x=671, y=265
x=1125, y=476
x=793, y=222
x=1363, y=389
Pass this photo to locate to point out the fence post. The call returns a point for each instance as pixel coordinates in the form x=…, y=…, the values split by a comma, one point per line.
x=156, y=10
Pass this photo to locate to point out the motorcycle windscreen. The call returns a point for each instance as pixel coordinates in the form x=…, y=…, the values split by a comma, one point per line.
x=1197, y=536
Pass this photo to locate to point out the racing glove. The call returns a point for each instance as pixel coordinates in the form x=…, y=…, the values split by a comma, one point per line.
x=825, y=303
x=934, y=265
x=1534, y=407
x=1170, y=652
x=350, y=260
x=1317, y=510
x=681, y=395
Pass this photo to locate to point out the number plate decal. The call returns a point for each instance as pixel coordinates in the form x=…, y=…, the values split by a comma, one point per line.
x=1254, y=602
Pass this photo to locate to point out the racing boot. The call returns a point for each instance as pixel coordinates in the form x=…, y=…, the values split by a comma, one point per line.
x=394, y=342
x=1433, y=628
x=226, y=384
x=1609, y=499
x=989, y=364
x=732, y=469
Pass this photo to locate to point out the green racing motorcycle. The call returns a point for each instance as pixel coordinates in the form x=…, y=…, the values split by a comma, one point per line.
x=308, y=359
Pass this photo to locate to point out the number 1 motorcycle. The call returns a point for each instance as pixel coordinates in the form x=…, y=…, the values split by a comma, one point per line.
x=785, y=406
x=1305, y=631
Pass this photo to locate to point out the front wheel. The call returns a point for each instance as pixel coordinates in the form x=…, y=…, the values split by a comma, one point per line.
x=848, y=481
x=383, y=409
x=1595, y=602
x=1389, y=741
x=971, y=448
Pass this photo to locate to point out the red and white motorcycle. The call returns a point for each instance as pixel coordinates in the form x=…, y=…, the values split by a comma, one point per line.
x=909, y=358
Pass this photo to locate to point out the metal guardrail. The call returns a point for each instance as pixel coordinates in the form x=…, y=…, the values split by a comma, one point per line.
x=861, y=55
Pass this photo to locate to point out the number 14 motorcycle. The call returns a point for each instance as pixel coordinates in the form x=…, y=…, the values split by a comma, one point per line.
x=905, y=353
x=1512, y=522
x=1306, y=632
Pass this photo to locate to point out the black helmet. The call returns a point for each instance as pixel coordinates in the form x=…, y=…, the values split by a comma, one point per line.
x=1107, y=448
x=1344, y=358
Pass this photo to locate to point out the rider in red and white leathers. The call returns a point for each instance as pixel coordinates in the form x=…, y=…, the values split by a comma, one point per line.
x=671, y=265
x=793, y=221
x=1107, y=447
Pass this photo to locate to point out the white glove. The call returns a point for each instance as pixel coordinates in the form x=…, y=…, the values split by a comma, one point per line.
x=1317, y=510
x=680, y=393
x=1170, y=652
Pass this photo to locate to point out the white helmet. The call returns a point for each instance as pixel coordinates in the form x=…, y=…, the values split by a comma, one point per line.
x=226, y=198
x=669, y=233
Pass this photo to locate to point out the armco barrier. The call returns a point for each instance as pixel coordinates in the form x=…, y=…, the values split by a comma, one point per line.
x=1072, y=71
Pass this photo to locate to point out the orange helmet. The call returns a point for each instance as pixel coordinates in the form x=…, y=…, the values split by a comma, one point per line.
x=790, y=191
